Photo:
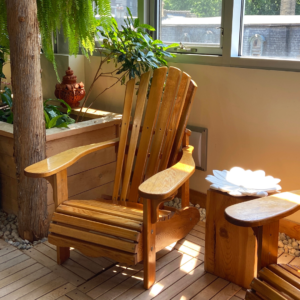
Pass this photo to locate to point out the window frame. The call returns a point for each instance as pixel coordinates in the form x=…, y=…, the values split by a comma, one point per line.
x=154, y=20
x=232, y=14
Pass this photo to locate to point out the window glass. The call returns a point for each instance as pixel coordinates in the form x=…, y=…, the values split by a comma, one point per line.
x=191, y=22
x=271, y=29
x=119, y=10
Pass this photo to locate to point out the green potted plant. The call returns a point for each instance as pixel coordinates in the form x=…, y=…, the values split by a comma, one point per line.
x=131, y=49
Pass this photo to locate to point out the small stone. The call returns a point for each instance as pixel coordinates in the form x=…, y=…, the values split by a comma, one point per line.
x=297, y=253
x=292, y=251
x=6, y=233
x=13, y=227
x=16, y=244
x=285, y=242
x=6, y=240
x=34, y=243
x=44, y=240
x=28, y=247
x=26, y=242
x=289, y=247
x=290, y=241
x=287, y=237
x=197, y=206
x=5, y=222
x=204, y=220
x=286, y=249
x=171, y=203
x=10, y=242
x=1, y=233
x=280, y=244
x=10, y=236
x=20, y=246
x=294, y=244
x=176, y=200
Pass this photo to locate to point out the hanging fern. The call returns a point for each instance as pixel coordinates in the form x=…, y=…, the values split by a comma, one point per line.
x=75, y=17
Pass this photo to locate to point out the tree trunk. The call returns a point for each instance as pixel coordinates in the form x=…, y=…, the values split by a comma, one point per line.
x=29, y=124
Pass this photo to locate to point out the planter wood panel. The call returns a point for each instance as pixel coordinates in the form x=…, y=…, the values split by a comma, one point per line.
x=89, y=178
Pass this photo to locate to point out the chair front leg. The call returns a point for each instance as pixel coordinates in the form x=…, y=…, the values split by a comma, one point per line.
x=149, y=246
x=59, y=184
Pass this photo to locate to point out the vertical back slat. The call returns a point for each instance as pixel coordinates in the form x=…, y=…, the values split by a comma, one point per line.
x=156, y=90
x=174, y=121
x=136, y=124
x=183, y=122
x=163, y=120
x=123, y=136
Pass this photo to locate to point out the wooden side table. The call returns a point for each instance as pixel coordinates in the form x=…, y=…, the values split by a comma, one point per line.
x=230, y=251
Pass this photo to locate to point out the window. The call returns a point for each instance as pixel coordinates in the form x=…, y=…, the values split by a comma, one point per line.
x=271, y=29
x=195, y=24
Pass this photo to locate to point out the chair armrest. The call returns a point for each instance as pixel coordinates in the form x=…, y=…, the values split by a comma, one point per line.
x=63, y=160
x=164, y=184
x=263, y=211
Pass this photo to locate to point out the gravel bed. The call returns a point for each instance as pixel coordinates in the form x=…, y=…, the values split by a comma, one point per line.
x=288, y=245
x=9, y=232
x=176, y=203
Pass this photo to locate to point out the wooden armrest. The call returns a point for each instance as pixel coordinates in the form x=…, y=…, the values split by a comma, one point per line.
x=263, y=211
x=164, y=184
x=63, y=160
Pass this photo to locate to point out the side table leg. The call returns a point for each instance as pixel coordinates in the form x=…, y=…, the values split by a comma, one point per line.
x=267, y=244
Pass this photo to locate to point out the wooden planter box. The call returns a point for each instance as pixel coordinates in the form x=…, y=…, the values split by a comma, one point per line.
x=88, y=178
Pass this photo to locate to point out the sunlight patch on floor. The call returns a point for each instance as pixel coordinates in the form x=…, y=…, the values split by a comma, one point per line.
x=156, y=289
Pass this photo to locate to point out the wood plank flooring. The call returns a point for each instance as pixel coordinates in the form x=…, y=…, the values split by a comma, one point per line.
x=34, y=274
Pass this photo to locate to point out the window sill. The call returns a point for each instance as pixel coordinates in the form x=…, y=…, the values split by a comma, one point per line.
x=238, y=62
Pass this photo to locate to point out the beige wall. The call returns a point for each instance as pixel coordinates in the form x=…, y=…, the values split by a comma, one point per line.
x=252, y=116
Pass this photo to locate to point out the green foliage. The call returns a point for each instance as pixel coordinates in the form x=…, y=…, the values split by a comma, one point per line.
x=202, y=8
x=53, y=116
x=134, y=48
x=3, y=53
x=6, y=115
x=213, y=8
x=75, y=17
x=262, y=7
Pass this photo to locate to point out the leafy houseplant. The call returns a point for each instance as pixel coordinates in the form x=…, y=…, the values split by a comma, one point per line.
x=132, y=50
x=75, y=17
x=53, y=116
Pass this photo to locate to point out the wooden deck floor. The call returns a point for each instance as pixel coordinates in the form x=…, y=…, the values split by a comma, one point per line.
x=34, y=274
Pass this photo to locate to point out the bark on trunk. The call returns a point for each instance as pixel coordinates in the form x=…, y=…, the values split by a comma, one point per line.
x=29, y=125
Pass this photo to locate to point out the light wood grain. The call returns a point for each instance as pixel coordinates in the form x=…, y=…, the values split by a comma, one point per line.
x=93, y=238
x=174, y=120
x=163, y=120
x=148, y=127
x=230, y=251
x=102, y=218
x=292, y=229
x=63, y=160
x=190, y=96
x=92, y=205
x=96, y=226
x=90, y=179
x=165, y=183
x=278, y=283
x=264, y=210
x=265, y=290
x=286, y=275
x=93, y=250
x=138, y=115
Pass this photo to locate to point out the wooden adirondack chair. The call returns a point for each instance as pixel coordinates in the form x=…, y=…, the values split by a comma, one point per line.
x=134, y=225
x=274, y=282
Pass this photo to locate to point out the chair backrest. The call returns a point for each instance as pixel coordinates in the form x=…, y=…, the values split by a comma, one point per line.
x=155, y=144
